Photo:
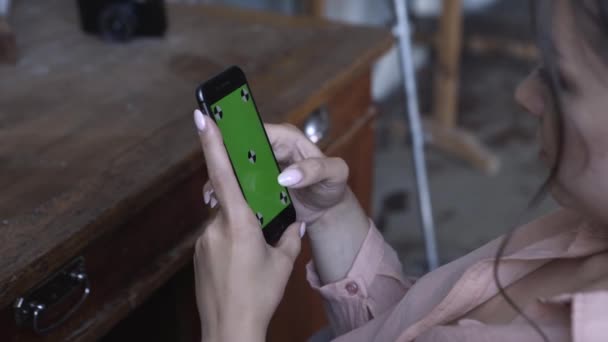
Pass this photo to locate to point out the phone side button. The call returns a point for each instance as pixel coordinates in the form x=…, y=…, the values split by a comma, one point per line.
x=204, y=109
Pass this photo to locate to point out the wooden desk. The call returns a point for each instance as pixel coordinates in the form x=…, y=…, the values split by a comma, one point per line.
x=99, y=157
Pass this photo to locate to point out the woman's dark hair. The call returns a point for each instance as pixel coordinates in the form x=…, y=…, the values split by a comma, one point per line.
x=592, y=19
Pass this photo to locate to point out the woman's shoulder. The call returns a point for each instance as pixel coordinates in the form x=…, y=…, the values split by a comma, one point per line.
x=547, y=226
x=557, y=221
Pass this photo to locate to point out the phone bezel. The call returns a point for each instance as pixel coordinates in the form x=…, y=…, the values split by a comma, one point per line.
x=214, y=90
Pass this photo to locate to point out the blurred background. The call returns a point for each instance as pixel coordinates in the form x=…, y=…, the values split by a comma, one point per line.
x=470, y=206
x=91, y=169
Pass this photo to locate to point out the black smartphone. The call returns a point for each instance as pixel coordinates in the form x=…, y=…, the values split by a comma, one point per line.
x=227, y=99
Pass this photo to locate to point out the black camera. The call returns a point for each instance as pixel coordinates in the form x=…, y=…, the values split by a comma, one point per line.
x=122, y=20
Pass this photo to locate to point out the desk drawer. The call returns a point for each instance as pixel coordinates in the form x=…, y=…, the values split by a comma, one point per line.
x=126, y=266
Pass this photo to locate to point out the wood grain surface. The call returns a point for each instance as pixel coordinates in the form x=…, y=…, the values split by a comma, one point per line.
x=91, y=133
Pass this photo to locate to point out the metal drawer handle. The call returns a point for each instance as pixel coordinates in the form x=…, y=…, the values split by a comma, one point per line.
x=316, y=126
x=29, y=308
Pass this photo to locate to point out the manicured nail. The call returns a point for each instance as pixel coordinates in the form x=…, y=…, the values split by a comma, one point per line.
x=206, y=196
x=302, y=229
x=199, y=120
x=290, y=177
x=213, y=202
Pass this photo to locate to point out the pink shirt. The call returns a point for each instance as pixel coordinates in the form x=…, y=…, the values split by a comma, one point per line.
x=374, y=302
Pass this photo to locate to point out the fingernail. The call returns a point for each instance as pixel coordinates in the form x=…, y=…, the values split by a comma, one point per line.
x=199, y=120
x=302, y=229
x=206, y=196
x=213, y=202
x=290, y=177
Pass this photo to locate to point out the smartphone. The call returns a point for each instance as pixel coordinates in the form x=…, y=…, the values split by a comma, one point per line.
x=228, y=100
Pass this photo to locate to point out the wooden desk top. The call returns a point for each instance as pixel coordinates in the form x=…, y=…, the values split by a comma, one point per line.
x=91, y=132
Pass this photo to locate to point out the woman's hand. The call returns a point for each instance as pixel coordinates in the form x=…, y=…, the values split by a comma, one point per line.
x=316, y=183
x=336, y=224
x=240, y=279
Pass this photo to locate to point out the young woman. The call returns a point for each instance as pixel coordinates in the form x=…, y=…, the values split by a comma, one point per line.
x=548, y=283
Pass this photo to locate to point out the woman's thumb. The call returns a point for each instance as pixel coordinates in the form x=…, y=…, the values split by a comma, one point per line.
x=311, y=171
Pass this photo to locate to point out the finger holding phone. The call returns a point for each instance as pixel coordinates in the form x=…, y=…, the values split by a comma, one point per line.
x=335, y=222
x=240, y=278
x=245, y=256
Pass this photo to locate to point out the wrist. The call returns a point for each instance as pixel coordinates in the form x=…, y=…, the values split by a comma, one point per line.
x=235, y=333
x=234, y=329
x=336, y=238
x=346, y=215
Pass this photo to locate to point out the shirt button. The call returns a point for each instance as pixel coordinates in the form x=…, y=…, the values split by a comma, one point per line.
x=352, y=288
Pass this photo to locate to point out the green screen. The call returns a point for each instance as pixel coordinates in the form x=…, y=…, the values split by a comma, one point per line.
x=250, y=154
